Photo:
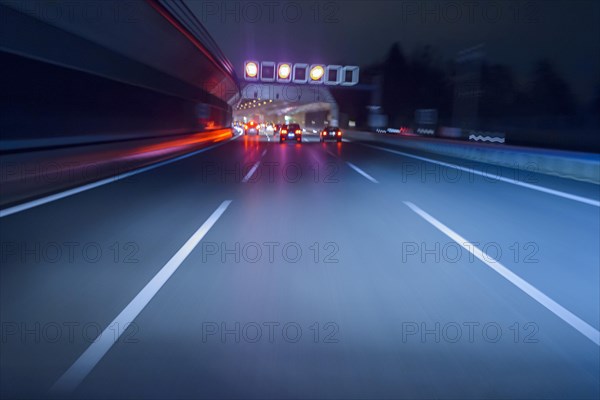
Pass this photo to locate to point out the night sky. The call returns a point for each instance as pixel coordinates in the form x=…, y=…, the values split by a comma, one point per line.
x=353, y=32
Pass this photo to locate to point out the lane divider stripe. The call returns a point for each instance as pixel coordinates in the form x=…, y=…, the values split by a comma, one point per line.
x=580, y=325
x=69, y=381
x=361, y=172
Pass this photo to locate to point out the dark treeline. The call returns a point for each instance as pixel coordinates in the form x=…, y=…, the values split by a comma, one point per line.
x=423, y=79
x=410, y=83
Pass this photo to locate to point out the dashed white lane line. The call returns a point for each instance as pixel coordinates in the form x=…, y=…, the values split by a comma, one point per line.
x=360, y=171
x=251, y=172
x=542, y=189
x=580, y=325
x=96, y=351
x=354, y=167
x=254, y=168
x=61, y=195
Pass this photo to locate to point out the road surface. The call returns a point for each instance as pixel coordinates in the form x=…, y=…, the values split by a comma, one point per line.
x=336, y=270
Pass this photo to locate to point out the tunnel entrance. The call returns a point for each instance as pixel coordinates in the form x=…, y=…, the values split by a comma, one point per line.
x=312, y=107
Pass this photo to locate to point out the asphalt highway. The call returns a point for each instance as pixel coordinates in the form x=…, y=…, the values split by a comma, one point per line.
x=314, y=270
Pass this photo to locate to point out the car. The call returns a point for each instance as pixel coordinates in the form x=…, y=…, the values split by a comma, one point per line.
x=251, y=128
x=331, y=133
x=290, y=132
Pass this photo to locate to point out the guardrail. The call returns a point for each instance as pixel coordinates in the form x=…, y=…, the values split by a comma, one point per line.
x=566, y=164
x=29, y=175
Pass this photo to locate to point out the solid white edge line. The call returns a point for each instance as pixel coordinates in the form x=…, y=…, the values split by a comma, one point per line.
x=70, y=192
x=360, y=171
x=580, y=325
x=251, y=172
x=558, y=193
x=69, y=381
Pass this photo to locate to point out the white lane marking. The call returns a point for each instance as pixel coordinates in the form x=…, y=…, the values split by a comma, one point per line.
x=558, y=193
x=360, y=171
x=70, y=192
x=251, y=172
x=331, y=153
x=254, y=168
x=583, y=327
x=69, y=381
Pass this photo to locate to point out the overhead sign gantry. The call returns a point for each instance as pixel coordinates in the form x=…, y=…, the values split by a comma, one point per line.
x=301, y=73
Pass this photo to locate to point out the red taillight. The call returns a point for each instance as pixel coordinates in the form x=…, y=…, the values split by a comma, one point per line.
x=339, y=133
x=324, y=133
x=284, y=131
x=245, y=126
x=298, y=131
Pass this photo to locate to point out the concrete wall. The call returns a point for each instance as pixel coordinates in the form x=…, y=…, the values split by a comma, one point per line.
x=96, y=71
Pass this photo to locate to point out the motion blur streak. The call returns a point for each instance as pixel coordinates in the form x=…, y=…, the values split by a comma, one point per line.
x=111, y=163
x=182, y=144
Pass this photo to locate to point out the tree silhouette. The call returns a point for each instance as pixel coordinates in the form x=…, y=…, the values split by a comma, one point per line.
x=596, y=102
x=500, y=92
x=419, y=82
x=394, y=83
x=428, y=85
x=550, y=94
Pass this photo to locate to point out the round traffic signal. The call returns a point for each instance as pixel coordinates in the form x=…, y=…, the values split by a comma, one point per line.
x=284, y=71
x=316, y=73
x=251, y=69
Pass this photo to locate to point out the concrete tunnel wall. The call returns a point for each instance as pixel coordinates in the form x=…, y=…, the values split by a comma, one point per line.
x=296, y=100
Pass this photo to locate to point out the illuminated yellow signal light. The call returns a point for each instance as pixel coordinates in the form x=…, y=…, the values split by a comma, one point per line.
x=316, y=73
x=284, y=71
x=251, y=69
